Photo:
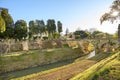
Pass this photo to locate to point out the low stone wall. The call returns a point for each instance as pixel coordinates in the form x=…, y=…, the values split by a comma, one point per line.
x=11, y=46
x=6, y=47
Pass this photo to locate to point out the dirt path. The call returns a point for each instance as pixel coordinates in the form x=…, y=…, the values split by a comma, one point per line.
x=65, y=73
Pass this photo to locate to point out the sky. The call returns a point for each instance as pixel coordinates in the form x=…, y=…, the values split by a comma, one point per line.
x=74, y=14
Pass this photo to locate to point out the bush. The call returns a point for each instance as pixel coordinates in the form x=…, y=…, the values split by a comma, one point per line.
x=77, y=36
x=45, y=37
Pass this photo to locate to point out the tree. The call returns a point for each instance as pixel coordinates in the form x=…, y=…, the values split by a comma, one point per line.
x=95, y=33
x=9, y=23
x=59, y=25
x=7, y=18
x=51, y=26
x=9, y=33
x=2, y=25
x=20, y=29
x=41, y=26
x=56, y=35
x=113, y=14
x=32, y=28
x=67, y=31
x=81, y=34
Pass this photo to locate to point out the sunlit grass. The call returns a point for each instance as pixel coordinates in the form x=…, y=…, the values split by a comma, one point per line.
x=80, y=60
x=26, y=59
x=89, y=73
x=41, y=73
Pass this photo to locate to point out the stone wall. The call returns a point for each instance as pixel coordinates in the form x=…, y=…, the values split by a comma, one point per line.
x=12, y=46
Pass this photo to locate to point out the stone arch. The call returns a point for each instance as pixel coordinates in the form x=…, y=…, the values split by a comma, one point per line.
x=86, y=46
x=104, y=47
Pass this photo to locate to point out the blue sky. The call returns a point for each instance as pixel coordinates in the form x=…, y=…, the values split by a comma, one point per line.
x=74, y=14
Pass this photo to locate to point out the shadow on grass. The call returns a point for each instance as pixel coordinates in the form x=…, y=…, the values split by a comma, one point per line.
x=100, y=56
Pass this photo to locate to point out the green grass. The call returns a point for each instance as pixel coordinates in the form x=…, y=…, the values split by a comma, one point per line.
x=55, y=69
x=99, y=67
x=27, y=59
x=110, y=71
x=35, y=70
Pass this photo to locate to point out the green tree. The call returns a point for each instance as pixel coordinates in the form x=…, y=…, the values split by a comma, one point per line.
x=67, y=32
x=20, y=30
x=82, y=33
x=41, y=26
x=32, y=28
x=9, y=23
x=9, y=33
x=95, y=34
x=37, y=27
x=56, y=35
x=7, y=18
x=51, y=26
x=59, y=25
x=2, y=25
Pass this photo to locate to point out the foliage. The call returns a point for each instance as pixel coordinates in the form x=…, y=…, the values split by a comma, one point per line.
x=33, y=29
x=37, y=28
x=67, y=31
x=113, y=14
x=7, y=18
x=111, y=43
x=20, y=30
x=59, y=25
x=40, y=25
x=51, y=26
x=82, y=33
x=56, y=35
x=9, y=32
x=2, y=25
x=94, y=34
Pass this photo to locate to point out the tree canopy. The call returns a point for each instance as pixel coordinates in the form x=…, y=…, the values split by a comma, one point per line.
x=20, y=29
x=59, y=25
x=113, y=14
x=2, y=25
x=9, y=23
x=81, y=34
x=7, y=18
